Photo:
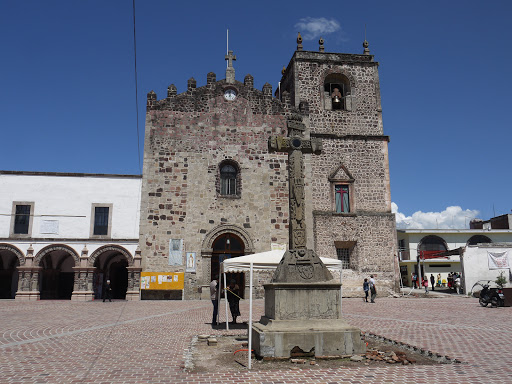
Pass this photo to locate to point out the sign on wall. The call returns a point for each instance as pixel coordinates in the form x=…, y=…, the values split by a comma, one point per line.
x=176, y=252
x=191, y=262
x=49, y=227
x=277, y=247
x=162, y=280
x=498, y=260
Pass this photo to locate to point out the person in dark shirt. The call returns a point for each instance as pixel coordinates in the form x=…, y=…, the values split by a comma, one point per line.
x=233, y=295
x=366, y=289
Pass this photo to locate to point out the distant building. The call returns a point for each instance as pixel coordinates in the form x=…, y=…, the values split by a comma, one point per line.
x=498, y=222
x=440, y=251
x=63, y=235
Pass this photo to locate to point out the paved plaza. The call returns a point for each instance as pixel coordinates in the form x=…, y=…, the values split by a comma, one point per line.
x=149, y=341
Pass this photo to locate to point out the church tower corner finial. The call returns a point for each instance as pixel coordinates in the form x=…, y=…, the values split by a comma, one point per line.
x=299, y=42
x=321, y=45
x=366, y=49
x=283, y=71
x=365, y=43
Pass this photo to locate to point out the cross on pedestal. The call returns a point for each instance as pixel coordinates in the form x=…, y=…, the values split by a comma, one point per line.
x=230, y=57
x=296, y=146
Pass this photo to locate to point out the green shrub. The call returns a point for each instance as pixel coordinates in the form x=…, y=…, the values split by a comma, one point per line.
x=501, y=280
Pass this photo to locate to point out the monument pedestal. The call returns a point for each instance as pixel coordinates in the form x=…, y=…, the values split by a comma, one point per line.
x=307, y=316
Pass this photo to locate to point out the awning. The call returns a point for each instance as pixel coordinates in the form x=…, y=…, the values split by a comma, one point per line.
x=267, y=261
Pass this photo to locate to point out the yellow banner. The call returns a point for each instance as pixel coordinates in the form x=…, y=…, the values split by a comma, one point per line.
x=162, y=280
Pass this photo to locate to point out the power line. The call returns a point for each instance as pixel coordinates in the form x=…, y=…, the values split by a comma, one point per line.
x=136, y=88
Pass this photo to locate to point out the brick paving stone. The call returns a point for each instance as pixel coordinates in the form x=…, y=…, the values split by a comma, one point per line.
x=148, y=341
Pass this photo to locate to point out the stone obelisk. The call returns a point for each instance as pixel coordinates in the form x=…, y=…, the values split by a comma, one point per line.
x=302, y=304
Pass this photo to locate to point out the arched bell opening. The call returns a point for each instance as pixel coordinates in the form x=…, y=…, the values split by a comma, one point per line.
x=337, y=92
x=8, y=274
x=57, y=276
x=227, y=246
x=111, y=265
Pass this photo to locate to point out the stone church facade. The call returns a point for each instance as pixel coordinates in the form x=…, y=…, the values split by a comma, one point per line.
x=212, y=190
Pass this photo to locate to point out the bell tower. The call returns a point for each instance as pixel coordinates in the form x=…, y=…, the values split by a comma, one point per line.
x=348, y=191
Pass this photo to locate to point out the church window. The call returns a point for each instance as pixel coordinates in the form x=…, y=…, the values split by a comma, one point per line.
x=344, y=256
x=229, y=179
x=337, y=93
x=342, y=198
x=22, y=219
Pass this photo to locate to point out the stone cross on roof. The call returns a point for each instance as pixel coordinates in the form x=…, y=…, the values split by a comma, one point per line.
x=230, y=57
x=230, y=71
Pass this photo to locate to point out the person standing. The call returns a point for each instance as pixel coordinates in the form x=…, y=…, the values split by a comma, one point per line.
x=233, y=293
x=457, y=283
x=373, y=289
x=432, y=281
x=215, y=300
x=439, y=280
x=414, y=280
x=366, y=289
x=107, y=293
x=450, y=280
x=425, y=283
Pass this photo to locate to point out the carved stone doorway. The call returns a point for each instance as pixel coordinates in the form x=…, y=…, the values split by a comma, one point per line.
x=227, y=246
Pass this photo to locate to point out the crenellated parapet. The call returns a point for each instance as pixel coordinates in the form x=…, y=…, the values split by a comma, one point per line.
x=211, y=95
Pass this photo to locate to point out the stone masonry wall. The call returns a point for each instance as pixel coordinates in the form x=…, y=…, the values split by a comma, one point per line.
x=374, y=252
x=365, y=160
x=187, y=137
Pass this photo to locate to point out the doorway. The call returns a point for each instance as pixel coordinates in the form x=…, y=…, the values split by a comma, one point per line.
x=111, y=265
x=57, y=276
x=227, y=246
x=8, y=274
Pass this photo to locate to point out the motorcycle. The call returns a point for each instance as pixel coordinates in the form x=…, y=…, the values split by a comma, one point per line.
x=494, y=296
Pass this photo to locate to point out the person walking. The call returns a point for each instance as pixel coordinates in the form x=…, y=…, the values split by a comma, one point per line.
x=373, y=289
x=366, y=289
x=215, y=300
x=107, y=293
x=433, y=281
x=425, y=283
x=233, y=293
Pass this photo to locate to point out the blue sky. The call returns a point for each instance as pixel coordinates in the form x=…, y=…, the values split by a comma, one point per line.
x=67, y=91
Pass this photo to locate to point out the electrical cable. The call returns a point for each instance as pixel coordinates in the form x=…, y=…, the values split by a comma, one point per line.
x=136, y=87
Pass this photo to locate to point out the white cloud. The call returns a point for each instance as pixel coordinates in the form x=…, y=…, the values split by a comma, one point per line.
x=452, y=217
x=314, y=27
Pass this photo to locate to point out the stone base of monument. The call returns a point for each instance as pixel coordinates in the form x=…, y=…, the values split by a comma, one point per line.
x=304, y=316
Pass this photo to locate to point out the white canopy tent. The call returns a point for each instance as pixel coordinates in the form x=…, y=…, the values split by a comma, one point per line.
x=264, y=261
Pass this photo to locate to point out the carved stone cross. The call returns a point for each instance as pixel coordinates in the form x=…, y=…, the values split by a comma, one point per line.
x=230, y=57
x=296, y=146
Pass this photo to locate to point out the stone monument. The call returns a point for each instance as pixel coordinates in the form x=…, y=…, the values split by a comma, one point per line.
x=302, y=304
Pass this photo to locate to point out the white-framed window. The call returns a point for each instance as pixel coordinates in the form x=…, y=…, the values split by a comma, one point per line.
x=21, y=218
x=101, y=220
